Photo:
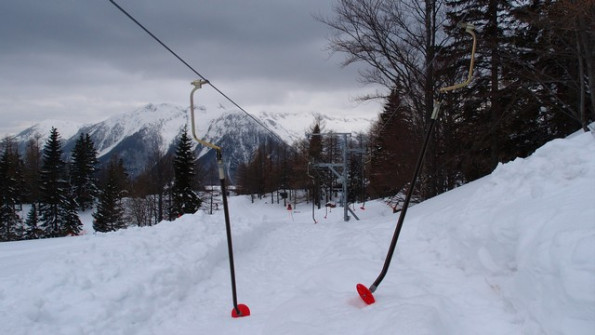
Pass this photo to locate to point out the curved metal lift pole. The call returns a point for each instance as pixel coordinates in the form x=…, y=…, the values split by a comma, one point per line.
x=364, y=292
x=239, y=310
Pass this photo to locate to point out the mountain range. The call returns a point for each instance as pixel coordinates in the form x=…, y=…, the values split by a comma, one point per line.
x=137, y=136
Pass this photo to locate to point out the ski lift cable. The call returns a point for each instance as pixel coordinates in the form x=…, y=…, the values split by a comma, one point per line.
x=196, y=72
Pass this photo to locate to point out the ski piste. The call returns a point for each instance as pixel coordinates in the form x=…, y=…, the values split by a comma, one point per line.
x=366, y=293
x=239, y=310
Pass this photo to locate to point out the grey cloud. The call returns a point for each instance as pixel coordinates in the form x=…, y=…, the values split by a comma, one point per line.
x=55, y=50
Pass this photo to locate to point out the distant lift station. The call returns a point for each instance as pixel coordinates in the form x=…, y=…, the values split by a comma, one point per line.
x=343, y=177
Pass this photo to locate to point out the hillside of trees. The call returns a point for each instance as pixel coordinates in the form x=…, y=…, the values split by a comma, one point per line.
x=57, y=189
x=534, y=81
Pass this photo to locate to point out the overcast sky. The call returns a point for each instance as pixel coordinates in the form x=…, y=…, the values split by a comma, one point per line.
x=83, y=60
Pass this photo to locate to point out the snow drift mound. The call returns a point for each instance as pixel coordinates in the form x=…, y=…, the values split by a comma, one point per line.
x=529, y=230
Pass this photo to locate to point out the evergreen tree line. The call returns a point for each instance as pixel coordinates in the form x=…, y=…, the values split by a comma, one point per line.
x=58, y=189
x=533, y=81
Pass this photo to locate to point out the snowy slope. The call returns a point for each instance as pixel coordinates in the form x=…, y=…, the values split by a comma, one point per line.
x=512, y=253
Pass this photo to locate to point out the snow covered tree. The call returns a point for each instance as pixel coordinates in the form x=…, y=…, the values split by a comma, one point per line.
x=10, y=223
x=109, y=215
x=82, y=171
x=56, y=201
x=71, y=225
x=10, y=190
x=184, y=198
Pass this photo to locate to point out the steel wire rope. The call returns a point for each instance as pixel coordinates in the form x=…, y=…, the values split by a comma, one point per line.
x=197, y=73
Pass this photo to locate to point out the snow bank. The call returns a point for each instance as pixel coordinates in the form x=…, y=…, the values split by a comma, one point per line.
x=529, y=230
x=110, y=283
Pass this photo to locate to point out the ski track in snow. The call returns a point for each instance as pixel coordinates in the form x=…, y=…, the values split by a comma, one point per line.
x=511, y=253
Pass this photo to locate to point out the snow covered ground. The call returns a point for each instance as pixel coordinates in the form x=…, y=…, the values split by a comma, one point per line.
x=512, y=253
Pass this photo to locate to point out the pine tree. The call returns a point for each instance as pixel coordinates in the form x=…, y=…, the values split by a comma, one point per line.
x=71, y=225
x=355, y=188
x=9, y=224
x=185, y=200
x=394, y=147
x=10, y=190
x=498, y=117
x=32, y=229
x=109, y=215
x=556, y=63
x=82, y=171
x=56, y=203
x=31, y=170
x=315, y=156
x=521, y=82
x=315, y=144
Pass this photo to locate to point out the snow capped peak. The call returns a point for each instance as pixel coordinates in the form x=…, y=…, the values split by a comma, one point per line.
x=149, y=114
x=135, y=135
x=293, y=126
x=66, y=129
